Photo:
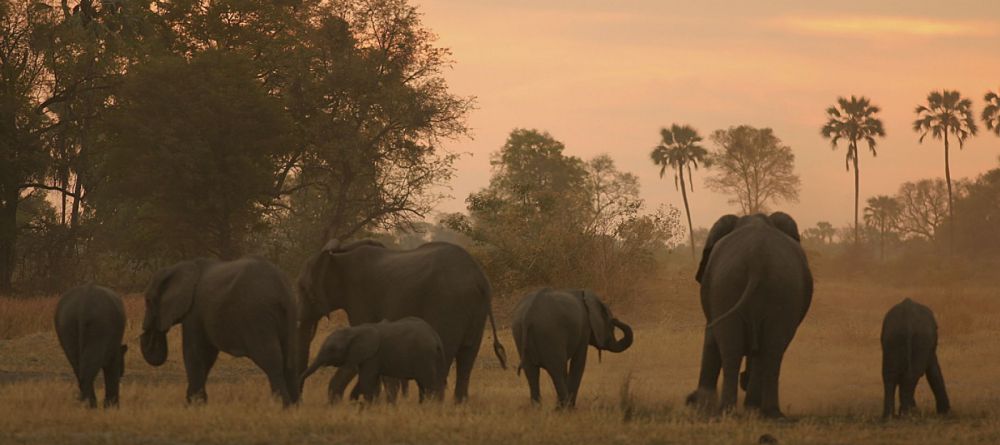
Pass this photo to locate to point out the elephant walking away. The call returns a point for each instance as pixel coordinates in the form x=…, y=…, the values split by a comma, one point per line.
x=909, y=351
x=407, y=348
x=243, y=307
x=553, y=327
x=90, y=323
x=439, y=283
x=756, y=289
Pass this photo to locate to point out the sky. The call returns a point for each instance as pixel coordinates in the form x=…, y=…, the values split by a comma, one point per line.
x=605, y=76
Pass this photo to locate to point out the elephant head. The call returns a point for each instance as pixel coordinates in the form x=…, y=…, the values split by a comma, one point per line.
x=169, y=298
x=315, y=284
x=721, y=228
x=603, y=324
x=784, y=222
x=346, y=347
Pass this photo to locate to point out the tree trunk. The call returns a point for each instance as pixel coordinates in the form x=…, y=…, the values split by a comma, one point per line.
x=857, y=194
x=687, y=210
x=8, y=237
x=947, y=178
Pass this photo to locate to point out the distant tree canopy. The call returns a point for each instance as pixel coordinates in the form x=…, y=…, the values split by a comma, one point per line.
x=214, y=128
x=552, y=219
x=979, y=210
x=754, y=167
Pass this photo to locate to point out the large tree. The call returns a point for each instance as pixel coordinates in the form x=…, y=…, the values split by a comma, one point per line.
x=882, y=215
x=923, y=208
x=192, y=156
x=679, y=149
x=754, y=167
x=853, y=120
x=946, y=113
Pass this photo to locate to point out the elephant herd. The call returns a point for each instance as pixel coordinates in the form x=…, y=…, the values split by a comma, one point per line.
x=414, y=313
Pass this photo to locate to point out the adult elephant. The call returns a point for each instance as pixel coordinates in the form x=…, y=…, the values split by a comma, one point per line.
x=756, y=288
x=438, y=282
x=244, y=307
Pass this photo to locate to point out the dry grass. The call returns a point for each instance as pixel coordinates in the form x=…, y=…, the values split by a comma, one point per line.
x=830, y=383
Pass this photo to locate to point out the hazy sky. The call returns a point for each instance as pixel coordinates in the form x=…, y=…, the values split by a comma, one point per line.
x=605, y=76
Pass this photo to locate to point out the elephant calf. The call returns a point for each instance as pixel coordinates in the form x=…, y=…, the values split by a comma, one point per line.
x=909, y=351
x=407, y=348
x=90, y=323
x=551, y=327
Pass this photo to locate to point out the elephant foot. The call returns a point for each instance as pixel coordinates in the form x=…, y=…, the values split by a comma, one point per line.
x=702, y=398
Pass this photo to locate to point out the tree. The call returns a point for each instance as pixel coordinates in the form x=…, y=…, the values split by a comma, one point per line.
x=679, y=149
x=882, y=214
x=192, y=156
x=826, y=231
x=979, y=205
x=946, y=113
x=755, y=167
x=923, y=208
x=853, y=120
x=991, y=112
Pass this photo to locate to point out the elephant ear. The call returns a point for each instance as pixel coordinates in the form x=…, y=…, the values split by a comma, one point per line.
x=171, y=295
x=600, y=319
x=784, y=222
x=364, y=343
x=721, y=228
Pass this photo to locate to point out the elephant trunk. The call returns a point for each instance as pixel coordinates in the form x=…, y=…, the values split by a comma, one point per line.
x=308, y=372
x=626, y=340
x=154, y=346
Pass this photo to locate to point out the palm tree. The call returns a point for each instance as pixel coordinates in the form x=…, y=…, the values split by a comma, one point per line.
x=853, y=120
x=946, y=112
x=679, y=150
x=991, y=113
x=882, y=214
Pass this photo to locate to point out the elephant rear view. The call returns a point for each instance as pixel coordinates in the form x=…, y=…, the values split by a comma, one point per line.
x=756, y=289
x=553, y=327
x=243, y=307
x=90, y=323
x=909, y=351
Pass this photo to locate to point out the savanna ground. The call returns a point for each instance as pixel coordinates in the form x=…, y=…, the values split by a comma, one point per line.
x=830, y=384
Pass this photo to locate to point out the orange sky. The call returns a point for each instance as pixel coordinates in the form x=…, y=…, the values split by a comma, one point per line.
x=604, y=76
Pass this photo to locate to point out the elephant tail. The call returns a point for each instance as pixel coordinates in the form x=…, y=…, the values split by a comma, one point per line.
x=747, y=291
x=498, y=348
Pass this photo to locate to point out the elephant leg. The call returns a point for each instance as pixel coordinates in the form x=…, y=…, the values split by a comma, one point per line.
x=936, y=380
x=531, y=374
x=558, y=376
x=85, y=381
x=889, y=402
x=368, y=381
x=576, y=367
x=751, y=381
x=339, y=381
x=768, y=370
x=112, y=380
x=708, y=379
x=199, y=357
x=404, y=388
x=907, y=388
x=464, y=359
x=731, y=350
x=391, y=387
x=272, y=362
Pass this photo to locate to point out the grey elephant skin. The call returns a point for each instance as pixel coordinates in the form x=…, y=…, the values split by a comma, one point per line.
x=90, y=323
x=909, y=351
x=243, y=307
x=552, y=327
x=756, y=289
x=407, y=348
x=439, y=283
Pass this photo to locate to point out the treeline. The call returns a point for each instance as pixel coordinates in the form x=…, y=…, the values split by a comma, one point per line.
x=134, y=133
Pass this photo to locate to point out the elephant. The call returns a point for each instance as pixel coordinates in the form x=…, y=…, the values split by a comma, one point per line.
x=437, y=282
x=244, y=307
x=756, y=288
x=909, y=351
x=90, y=324
x=551, y=327
x=407, y=348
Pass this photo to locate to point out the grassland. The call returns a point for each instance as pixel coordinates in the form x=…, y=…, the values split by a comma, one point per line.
x=830, y=385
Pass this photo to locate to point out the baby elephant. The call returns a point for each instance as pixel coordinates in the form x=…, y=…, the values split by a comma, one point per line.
x=90, y=323
x=408, y=348
x=909, y=350
x=551, y=327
